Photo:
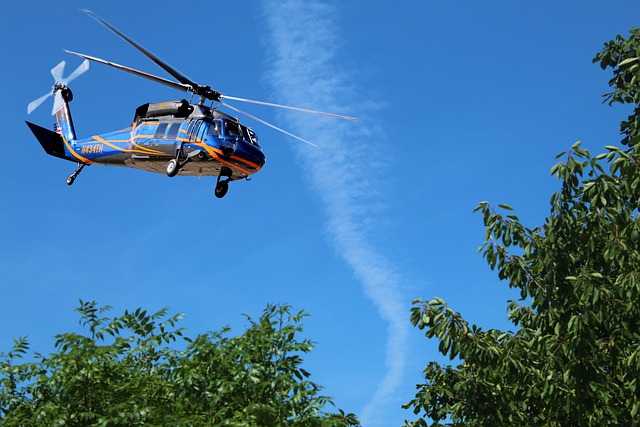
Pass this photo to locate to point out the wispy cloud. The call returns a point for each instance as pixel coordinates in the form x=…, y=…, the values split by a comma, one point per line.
x=345, y=171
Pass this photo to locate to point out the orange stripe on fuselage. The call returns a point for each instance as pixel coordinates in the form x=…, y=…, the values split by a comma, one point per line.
x=212, y=153
x=216, y=153
x=147, y=150
x=76, y=155
x=126, y=150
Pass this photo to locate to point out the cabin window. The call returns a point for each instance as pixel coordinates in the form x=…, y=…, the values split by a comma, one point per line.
x=172, y=131
x=160, y=130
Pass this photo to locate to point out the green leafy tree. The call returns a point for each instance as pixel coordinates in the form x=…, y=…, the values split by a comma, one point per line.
x=126, y=371
x=574, y=358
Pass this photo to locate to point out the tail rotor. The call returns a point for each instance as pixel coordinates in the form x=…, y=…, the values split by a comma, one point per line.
x=60, y=83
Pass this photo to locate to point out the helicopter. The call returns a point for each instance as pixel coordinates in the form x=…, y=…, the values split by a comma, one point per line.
x=176, y=137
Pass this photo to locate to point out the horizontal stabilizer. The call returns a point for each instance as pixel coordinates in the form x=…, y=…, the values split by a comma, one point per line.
x=50, y=141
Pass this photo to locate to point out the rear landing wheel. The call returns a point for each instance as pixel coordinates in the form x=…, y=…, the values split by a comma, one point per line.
x=74, y=175
x=172, y=168
x=221, y=189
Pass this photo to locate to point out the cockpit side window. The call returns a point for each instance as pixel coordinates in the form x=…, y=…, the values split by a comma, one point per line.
x=214, y=128
x=232, y=129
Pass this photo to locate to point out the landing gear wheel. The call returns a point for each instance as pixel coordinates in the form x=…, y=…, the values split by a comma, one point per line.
x=172, y=168
x=221, y=189
x=74, y=175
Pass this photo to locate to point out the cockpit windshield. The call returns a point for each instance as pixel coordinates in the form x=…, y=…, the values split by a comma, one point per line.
x=252, y=136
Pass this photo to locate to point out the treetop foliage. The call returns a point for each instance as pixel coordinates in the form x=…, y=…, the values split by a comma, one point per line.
x=126, y=371
x=574, y=357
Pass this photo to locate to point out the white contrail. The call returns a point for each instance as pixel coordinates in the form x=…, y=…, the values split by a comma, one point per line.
x=345, y=171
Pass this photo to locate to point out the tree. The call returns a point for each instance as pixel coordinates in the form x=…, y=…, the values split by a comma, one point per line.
x=574, y=359
x=124, y=372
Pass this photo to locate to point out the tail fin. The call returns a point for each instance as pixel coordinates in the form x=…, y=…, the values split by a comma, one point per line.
x=51, y=141
x=63, y=114
x=63, y=96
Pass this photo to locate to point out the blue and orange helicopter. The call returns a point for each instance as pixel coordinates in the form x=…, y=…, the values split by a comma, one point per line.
x=172, y=137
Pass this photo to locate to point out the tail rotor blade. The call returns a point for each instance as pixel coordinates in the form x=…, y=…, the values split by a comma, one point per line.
x=57, y=71
x=35, y=104
x=82, y=68
x=288, y=107
x=57, y=102
x=268, y=124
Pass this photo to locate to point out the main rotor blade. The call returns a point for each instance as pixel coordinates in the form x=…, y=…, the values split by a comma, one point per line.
x=304, y=110
x=268, y=124
x=172, y=84
x=175, y=73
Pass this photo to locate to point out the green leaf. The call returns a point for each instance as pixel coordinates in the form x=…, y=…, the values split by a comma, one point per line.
x=628, y=61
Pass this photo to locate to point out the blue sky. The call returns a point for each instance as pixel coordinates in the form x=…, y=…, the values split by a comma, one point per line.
x=459, y=102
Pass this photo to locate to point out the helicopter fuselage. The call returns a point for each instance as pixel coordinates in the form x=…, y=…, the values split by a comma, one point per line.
x=206, y=141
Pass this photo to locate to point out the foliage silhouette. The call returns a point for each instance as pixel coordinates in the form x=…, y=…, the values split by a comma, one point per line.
x=125, y=371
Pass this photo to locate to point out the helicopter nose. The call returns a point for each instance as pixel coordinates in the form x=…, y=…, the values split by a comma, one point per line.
x=228, y=146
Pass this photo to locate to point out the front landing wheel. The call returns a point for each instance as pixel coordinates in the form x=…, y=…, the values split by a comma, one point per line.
x=221, y=189
x=172, y=168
